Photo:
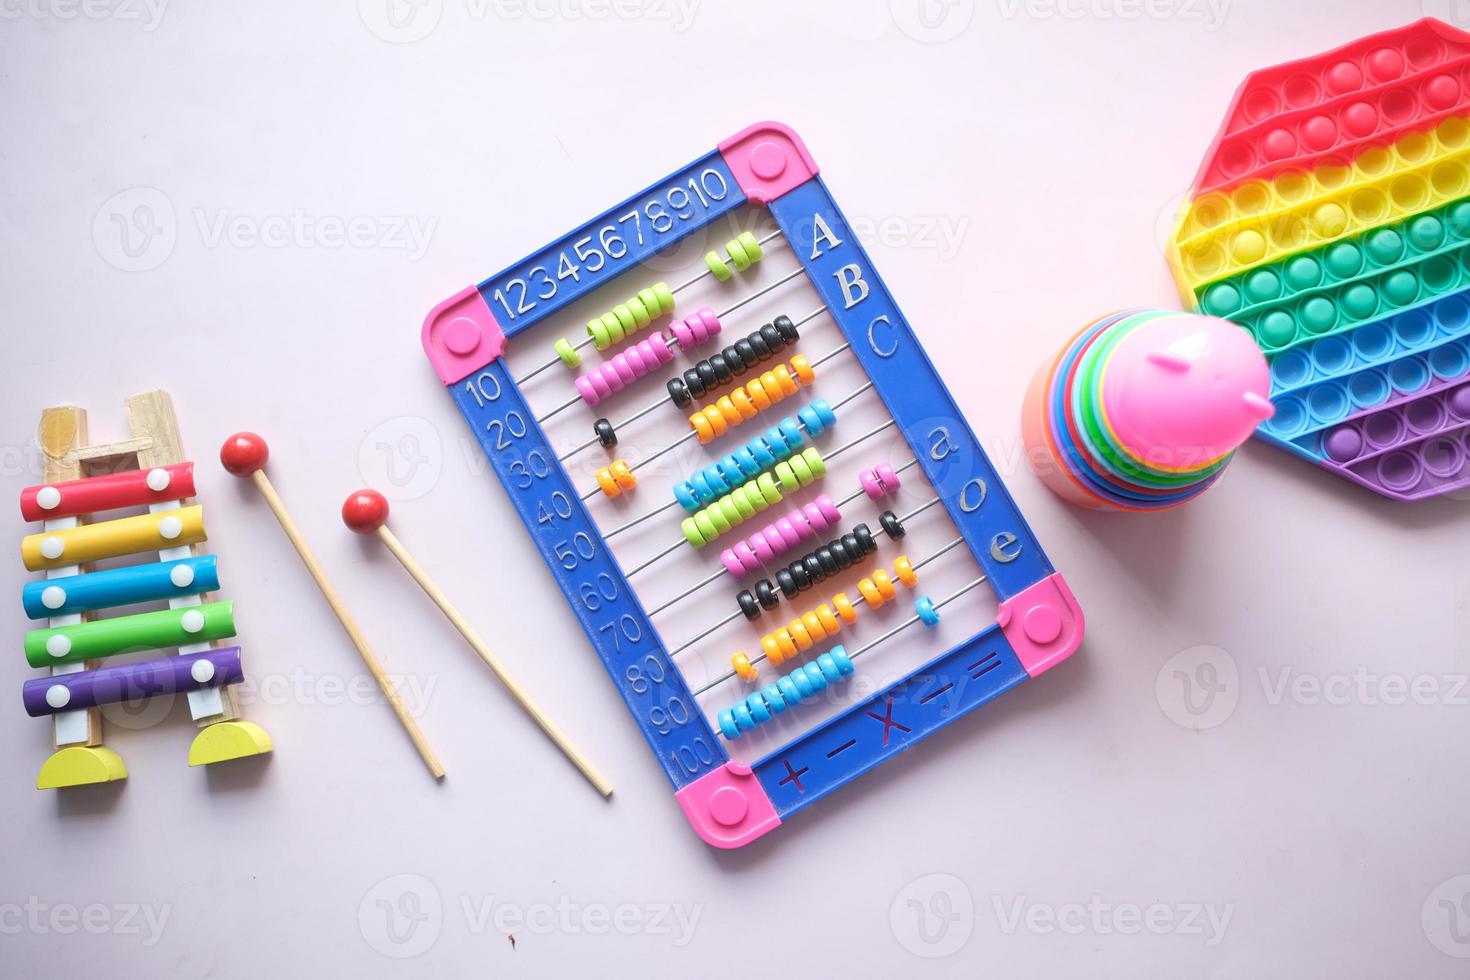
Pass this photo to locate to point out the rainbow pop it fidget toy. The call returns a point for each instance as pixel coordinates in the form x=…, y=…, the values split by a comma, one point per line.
x=1331, y=219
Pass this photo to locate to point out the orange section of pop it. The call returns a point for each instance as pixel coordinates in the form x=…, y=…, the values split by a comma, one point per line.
x=1330, y=108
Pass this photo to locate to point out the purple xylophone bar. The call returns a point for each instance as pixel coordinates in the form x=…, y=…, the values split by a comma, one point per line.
x=128, y=682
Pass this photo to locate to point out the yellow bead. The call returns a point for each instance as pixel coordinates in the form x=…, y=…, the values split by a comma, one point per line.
x=845, y=608
x=743, y=667
x=905, y=570
x=772, y=649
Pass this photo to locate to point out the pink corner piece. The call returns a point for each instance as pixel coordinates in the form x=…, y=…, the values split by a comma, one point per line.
x=768, y=159
x=728, y=807
x=461, y=336
x=1043, y=624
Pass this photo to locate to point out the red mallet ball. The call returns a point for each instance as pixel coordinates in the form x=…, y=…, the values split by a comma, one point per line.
x=243, y=453
x=365, y=511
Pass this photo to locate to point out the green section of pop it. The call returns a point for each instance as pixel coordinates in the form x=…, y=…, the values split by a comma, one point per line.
x=1319, y=292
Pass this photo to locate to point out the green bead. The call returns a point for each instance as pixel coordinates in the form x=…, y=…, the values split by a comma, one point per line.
x=690, y=527
x=1303, y=272
x=1401, y=287
x=766, y=484
x=815, y=461
x=1220, y=299
x=598, y=333
x=665, y=297
x=717, y=266
x=626, y=320
x=129, y=634
x=641, y=314
x=567, y=353
x=752, y=245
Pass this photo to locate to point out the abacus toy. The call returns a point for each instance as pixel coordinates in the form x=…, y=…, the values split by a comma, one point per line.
x=1331, y=220
x=768, y=517
x=81, y=482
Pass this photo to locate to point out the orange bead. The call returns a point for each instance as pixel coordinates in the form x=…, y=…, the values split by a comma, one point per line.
x=608, y=482
x=772, y=649
x=884, y=583
x=785, y=380
x=702, y=427
x=844, y=608
x=803, y=368
x=905, y=570
x=870, y=593
x=623, y=475
x=758, y=390
x=744, y=668
x=798, y=632
x=813, y=624
x=788, y=645
x=829, y=622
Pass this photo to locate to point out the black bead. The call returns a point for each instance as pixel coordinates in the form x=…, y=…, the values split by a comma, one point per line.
x=765, y=593
x=748, y=605
x=722, y=368
x=693, y=382
x=786, y=328
x=746, y=352
x=813, y=567
x=678, y=393
x=865, y=539
x=799, y=573
x=892, y=526
x=787, y=581
x=758, y=341
x=830, y=563
x=603, y=430
x=707, y=375
x=772, y=337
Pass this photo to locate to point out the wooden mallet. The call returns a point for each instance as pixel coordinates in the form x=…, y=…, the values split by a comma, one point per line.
x=245, y=454
x=366, y=512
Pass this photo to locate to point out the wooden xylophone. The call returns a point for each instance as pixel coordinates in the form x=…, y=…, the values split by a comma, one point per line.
x=80, y=481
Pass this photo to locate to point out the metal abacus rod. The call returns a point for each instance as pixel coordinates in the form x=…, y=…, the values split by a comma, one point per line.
x=809, y=455
x=744, y=464
x=876, y=482
x=810, y=679
x=669, y=343
x=726, y=570
x=745, y=667
x=657, y=300
x=759, y=346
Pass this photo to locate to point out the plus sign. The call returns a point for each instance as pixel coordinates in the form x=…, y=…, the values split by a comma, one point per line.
x=793, y=775
x=887, y=719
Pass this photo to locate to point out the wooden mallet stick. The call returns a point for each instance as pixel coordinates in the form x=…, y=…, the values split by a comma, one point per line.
x=245, y=454
x=366, y=512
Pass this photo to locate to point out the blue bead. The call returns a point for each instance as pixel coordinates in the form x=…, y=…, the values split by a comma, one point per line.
x=728, y=728
x=775, y=697
x=762, y=452
x=814, y=674
x=789, y=691
x=730, y=469
x=684, y=493
x=824, y=411
x=758, y=709
x=745, y=459
x=793, y=434
x=840, y=657
x=803, y=684
x=741, y=711
x=924, y=606
x=828, y=667
x=809, y=420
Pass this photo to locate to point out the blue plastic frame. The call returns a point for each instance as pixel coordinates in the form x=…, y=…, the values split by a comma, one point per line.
x=608, y=608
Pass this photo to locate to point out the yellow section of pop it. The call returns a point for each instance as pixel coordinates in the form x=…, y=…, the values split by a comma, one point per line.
x=1223, y=233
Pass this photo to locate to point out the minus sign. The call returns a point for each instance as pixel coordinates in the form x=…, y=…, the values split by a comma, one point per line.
x=843, y=747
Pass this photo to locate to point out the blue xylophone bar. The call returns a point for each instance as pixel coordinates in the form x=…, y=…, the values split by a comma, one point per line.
x=120, y=586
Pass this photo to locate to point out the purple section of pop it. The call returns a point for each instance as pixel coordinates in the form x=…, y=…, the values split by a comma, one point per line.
x=1416, y=448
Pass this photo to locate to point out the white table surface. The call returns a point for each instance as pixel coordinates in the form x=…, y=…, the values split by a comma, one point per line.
x=1017, y=163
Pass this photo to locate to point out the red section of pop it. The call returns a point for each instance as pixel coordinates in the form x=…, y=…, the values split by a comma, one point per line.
x=1333, y=107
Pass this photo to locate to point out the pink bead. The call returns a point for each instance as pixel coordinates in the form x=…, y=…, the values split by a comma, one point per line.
x=788, y=532
x=732, y=564
x=830, y=514
x=696, y=328
x=617, y=373
x=812, y=523
x=887, y=476
x=871, y=486
x=761, y=542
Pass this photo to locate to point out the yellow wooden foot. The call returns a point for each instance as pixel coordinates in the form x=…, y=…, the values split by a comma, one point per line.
x=81, y=765
x=226, y=740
